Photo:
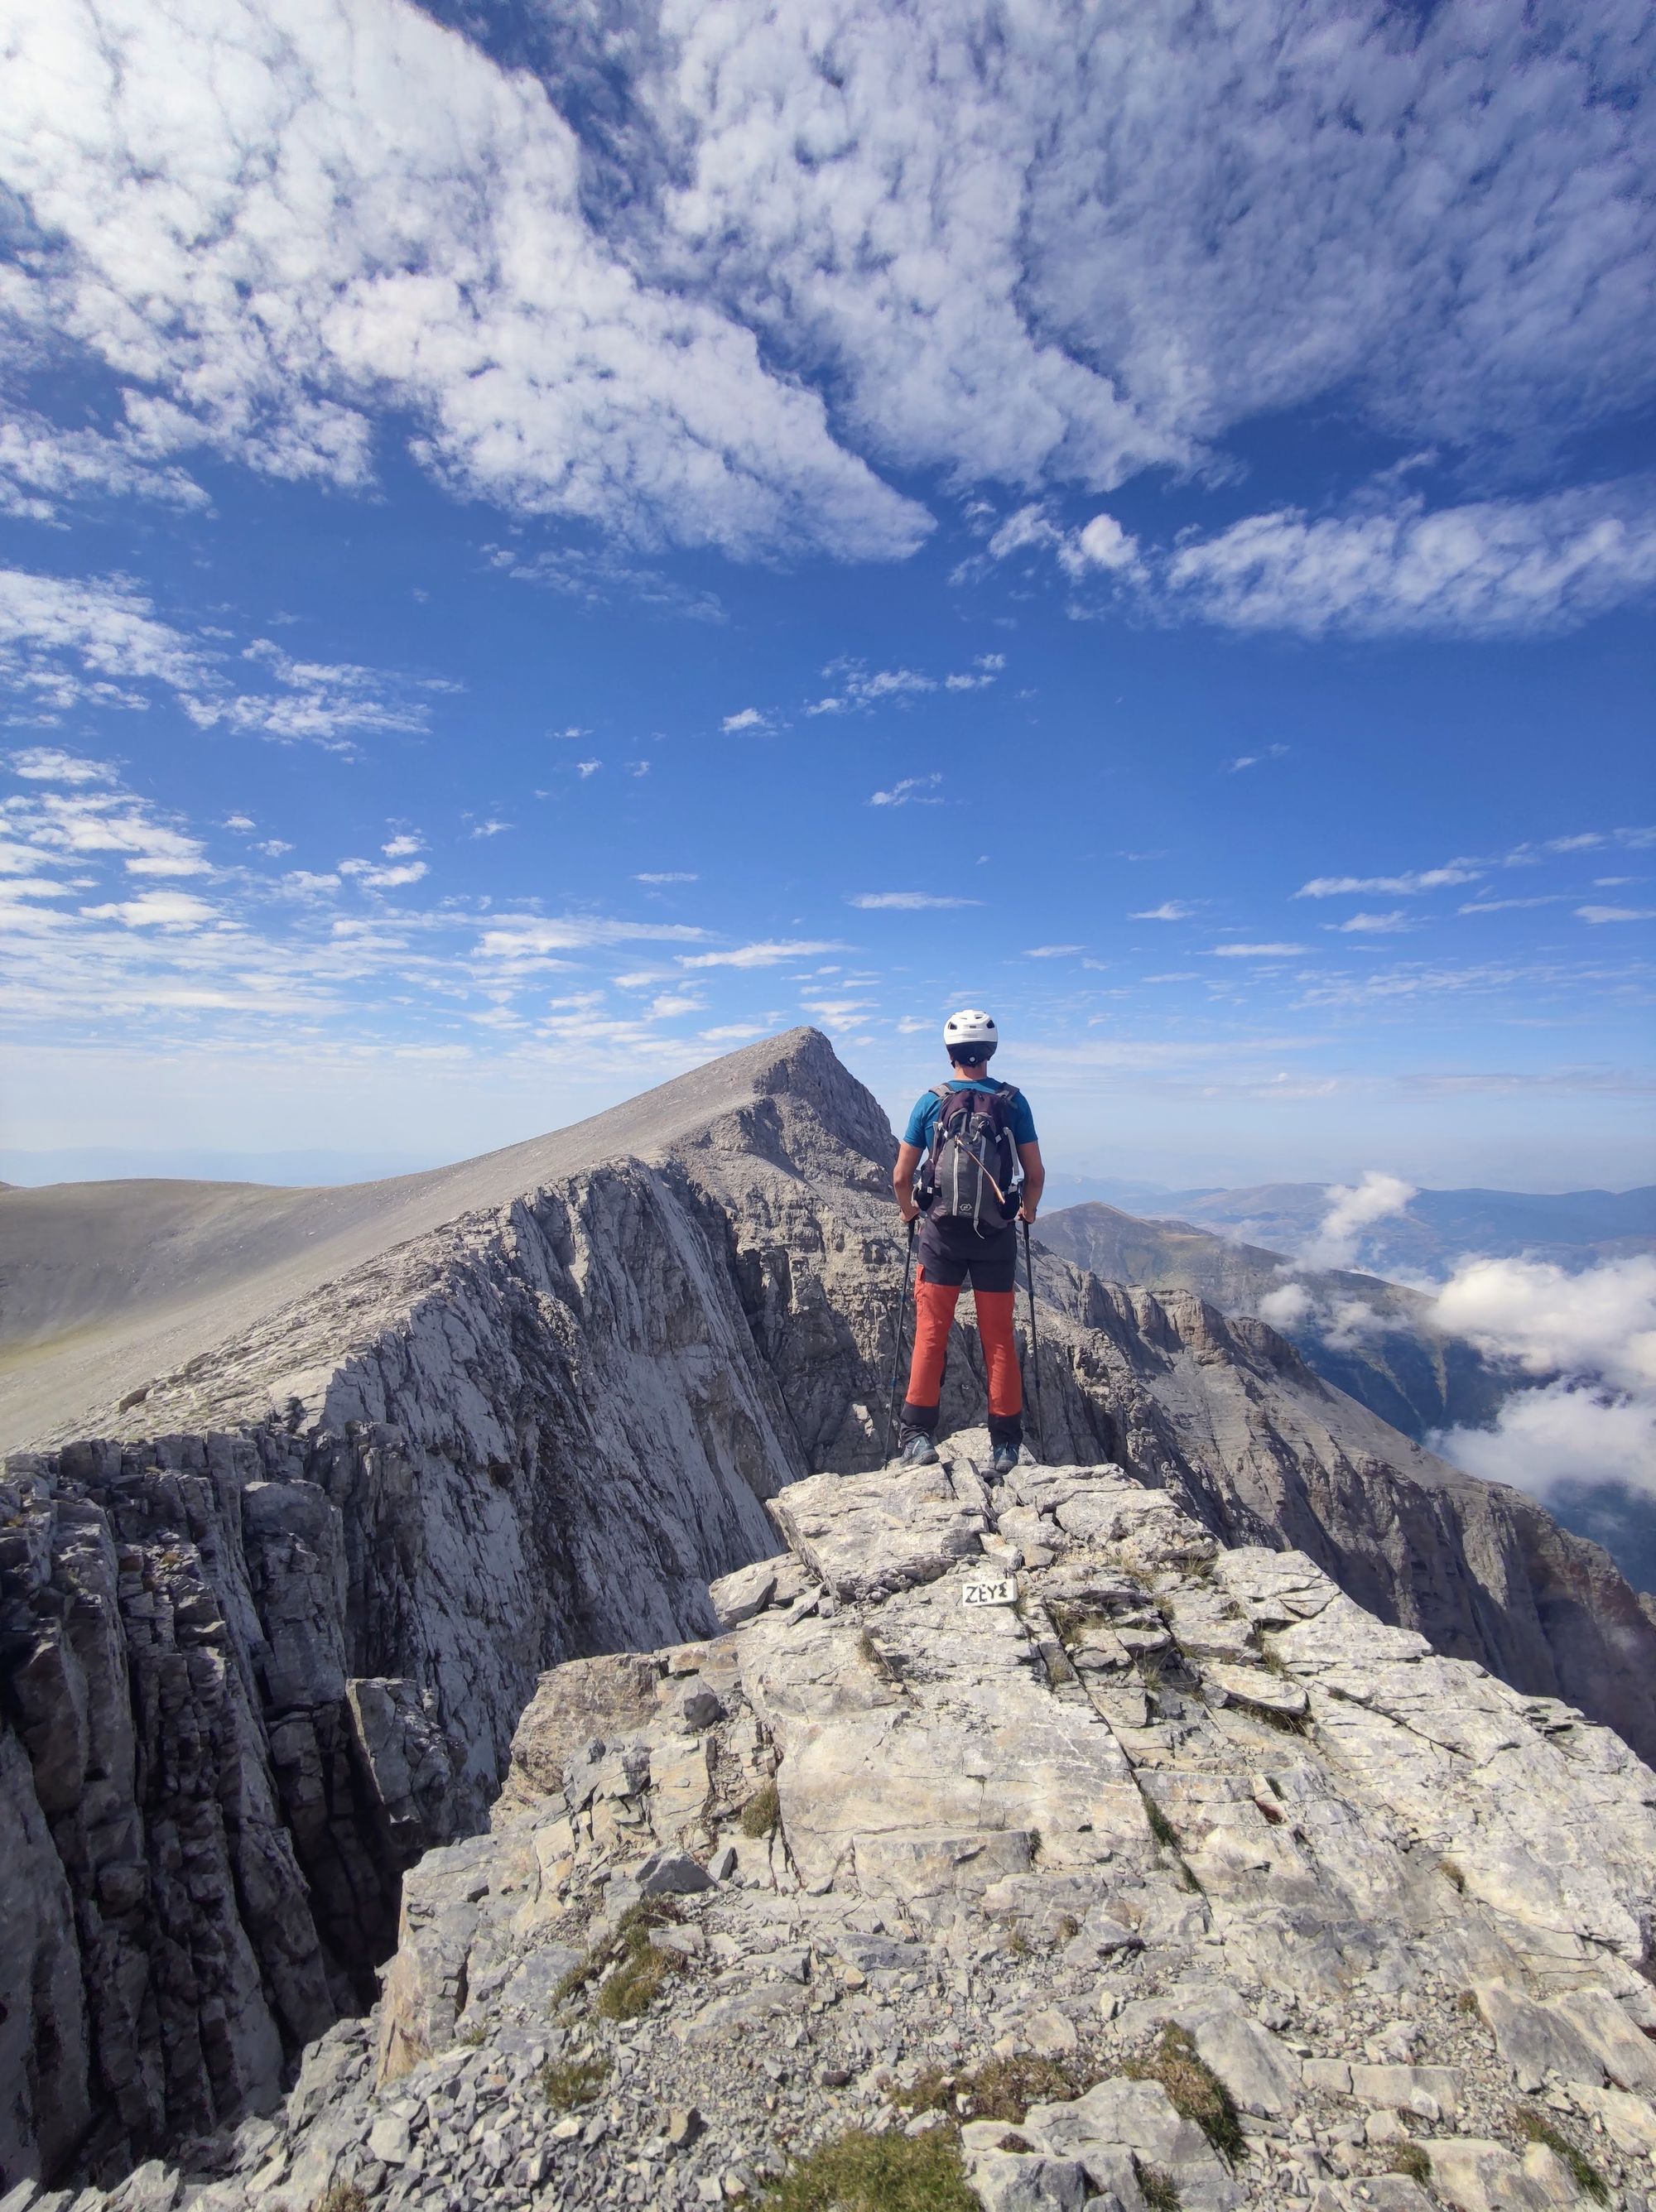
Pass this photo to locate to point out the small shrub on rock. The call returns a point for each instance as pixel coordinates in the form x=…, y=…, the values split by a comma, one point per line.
x=629, y=1991
x=1157, y=2187
x=999, y=2089
x=859, y=2171
x=1537, y=2128
x=342, y=2197
x=567, y=2082
x=627, y=1948
x=1409, y=2158
x=762, y=1811
x=1193, y=2088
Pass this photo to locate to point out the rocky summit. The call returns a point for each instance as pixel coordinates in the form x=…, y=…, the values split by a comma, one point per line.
x=325, y=1582
x=1029, y=1848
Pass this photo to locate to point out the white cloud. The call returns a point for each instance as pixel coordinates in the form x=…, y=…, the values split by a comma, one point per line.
x=598, y=575
x=1353, y=1208
x=81, y=823
x=1593, y=1335
x=1288, y=1306
x=68, y=641
x=905, y=901
x=44, y=468
x=1511, y=905
x=1603, y=914
x=1483, y=569
x=1416, y=881
x=409, y=218
x=1341, y=1323
x=52, y=764
x=909, y=791
x=527, y=936
x=1564, y=1433
x=748, y=717
x=306, y=883
x=1051, y=952
x=668, y=876
x=1169, y=910
x=400, y=847
x=770, y=954
x=241, y=824
x=584, y=769
x=1252, y=760
x=391, y=877
x=1601, y=1321
x=1371, y=925
x=156, y=910
x=1253, y=951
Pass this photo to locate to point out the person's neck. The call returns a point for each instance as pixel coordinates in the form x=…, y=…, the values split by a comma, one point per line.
x=969, y=1074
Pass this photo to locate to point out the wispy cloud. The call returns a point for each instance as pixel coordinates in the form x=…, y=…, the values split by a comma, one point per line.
x=52, y=764
x=667, y=876
x=906, y=901
x=600, y=575
x=1169, y=910
x=1479, y=570
x=746, y=718
x=770, y=953
x=1275, y=951
x=1052, y=952
x=911, y=791
x=1373, y=925
x=1409, y=885
x=1603, y=914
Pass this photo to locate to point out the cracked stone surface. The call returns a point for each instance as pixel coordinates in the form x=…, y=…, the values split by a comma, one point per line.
x=1408, y=1918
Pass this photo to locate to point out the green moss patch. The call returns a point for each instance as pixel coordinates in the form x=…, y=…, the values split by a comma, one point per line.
x=859, y=2171
x=1193, y=2088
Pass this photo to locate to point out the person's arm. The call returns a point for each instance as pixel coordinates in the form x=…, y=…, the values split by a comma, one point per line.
x=908, y=1159
x=1034, y=1181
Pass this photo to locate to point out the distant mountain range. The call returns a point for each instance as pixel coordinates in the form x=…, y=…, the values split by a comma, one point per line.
x=1574, y=1228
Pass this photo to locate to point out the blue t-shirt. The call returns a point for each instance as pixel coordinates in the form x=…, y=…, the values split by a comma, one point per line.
x=927, y=1109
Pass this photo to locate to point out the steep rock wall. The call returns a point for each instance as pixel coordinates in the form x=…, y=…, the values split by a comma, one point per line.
x=253, y=1671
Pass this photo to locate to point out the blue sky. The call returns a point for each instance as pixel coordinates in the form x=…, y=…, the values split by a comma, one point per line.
x=533, y=551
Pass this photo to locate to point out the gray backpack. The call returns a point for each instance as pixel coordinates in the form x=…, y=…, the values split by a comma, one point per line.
x=971, y=1173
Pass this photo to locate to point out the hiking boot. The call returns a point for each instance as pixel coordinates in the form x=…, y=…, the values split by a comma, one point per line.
x=917, y=1450
x=1005, y=1458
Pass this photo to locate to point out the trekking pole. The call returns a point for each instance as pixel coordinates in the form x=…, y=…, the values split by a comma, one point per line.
x=1034, y=1345
x=896, y=1350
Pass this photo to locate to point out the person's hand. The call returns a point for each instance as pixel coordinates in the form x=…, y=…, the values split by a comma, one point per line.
x=908, y=1209
x=1026, y=1212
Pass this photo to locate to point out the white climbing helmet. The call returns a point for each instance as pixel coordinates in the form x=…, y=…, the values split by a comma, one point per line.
x=971, y=1033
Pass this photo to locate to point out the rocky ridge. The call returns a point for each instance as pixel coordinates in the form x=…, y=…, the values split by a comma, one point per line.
x=269, y=1622
x=1201, y=1885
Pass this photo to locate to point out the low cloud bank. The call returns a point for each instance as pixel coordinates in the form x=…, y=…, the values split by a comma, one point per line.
x=1593, y=1336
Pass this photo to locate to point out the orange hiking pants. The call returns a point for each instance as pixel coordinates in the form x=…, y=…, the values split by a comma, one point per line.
x=934, y=1304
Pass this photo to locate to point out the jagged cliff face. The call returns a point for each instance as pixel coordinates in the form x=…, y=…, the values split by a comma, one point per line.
x=268, y=1638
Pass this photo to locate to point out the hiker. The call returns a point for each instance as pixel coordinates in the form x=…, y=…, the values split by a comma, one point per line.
x=968, y=1168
